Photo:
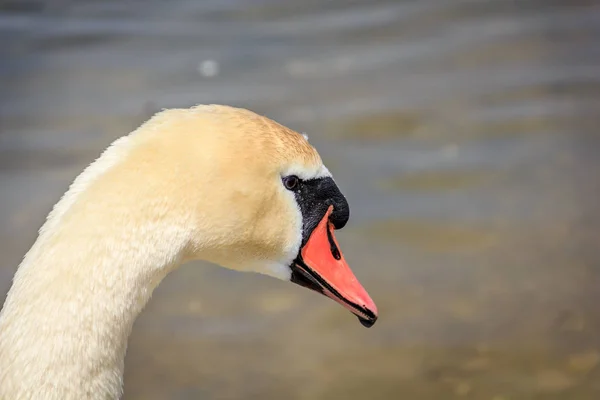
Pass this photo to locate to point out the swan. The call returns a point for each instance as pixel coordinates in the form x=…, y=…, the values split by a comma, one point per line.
x=210, y=182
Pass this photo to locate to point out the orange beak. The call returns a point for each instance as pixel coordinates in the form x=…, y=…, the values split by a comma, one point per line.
x=321, y=267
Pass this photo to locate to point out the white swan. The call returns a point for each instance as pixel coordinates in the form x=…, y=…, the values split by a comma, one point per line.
x=215, y=183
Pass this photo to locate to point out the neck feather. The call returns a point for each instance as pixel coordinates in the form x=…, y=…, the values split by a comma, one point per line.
x=67, y=317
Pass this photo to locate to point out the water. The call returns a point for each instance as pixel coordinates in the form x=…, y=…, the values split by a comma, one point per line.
x=464, y=134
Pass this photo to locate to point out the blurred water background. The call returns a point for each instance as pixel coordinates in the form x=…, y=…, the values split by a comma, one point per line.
x=464, y=134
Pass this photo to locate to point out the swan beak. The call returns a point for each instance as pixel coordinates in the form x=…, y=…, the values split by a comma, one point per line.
x=321, y=267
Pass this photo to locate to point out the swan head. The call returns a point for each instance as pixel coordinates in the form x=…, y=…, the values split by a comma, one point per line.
x=257, y=198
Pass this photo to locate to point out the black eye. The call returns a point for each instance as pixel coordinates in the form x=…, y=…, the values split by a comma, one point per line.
x=291, y=182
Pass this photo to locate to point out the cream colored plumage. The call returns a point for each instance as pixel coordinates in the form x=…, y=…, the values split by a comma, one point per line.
x=200, y=183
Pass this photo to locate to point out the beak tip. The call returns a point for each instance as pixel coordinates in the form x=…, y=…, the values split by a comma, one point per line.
x=370, y=316
x=367, y=323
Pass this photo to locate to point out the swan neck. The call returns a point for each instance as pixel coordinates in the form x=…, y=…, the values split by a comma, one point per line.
x=66, y=320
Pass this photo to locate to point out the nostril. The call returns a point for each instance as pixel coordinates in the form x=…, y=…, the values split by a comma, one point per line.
x=335, y=252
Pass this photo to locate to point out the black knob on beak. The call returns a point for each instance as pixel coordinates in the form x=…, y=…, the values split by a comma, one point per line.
x=341, y=210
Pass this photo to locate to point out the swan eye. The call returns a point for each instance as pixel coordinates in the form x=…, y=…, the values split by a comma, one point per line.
x=291, y=182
